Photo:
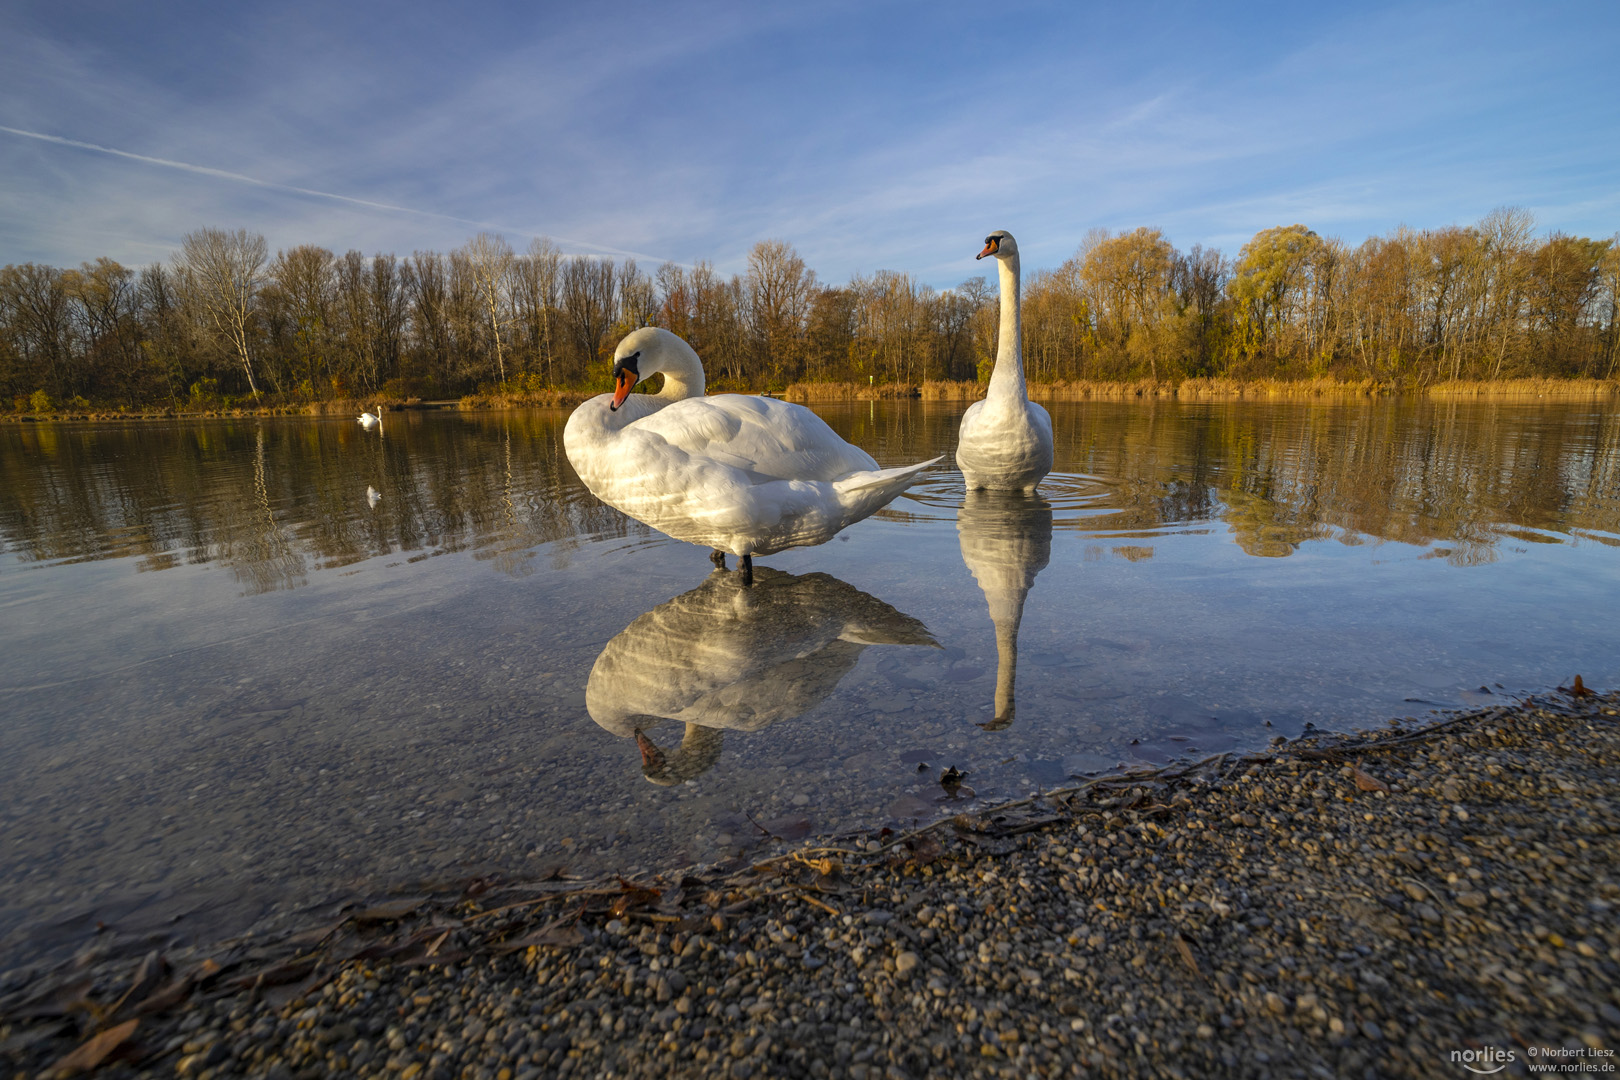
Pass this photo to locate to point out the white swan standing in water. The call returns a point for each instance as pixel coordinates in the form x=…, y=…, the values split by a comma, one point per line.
x=373, y=496
x=370, y=420
x=740, y=474
x=1005, y=442
x=1006, y=540
x=725, y=656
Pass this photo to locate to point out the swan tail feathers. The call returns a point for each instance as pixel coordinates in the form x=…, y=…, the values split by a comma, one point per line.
x=898, y=478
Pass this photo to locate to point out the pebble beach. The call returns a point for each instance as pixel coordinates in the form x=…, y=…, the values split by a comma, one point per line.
x=1405, y=902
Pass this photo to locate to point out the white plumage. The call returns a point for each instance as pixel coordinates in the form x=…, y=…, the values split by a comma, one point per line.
x=728, y=657
x=741, y=474
x=1006, y=539
x=1005, y=442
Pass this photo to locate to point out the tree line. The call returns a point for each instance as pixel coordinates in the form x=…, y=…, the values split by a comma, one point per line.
x=223, y=318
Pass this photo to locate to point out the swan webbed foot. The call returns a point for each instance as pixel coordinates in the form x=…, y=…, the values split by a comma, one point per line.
x=718, y=557
x=747, y=568
x=1000, y=723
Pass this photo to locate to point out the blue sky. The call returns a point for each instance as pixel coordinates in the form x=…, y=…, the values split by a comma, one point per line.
x=870, y=135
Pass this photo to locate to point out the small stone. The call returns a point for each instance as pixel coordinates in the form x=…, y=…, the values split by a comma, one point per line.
x=1204, y=1031
x=801, y=799
x=1371, y=1030
x=1472, y=899
x=905, y=963
x=1275, y=1002
x=1336, y=1026
x=1427, y=913
x=1586, y=949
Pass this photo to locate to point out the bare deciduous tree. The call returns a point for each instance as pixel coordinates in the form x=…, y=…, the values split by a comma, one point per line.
x=223, y=271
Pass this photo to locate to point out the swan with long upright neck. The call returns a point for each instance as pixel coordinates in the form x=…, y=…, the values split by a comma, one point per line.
x=1005, y=442
x=1006, y=539
x=743, y=475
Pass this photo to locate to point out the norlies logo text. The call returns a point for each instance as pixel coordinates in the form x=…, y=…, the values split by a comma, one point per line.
x=1483, y=1061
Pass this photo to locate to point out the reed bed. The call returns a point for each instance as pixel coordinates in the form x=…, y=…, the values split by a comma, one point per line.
x=849, y=391
x=1523, y=389
x=526, y=399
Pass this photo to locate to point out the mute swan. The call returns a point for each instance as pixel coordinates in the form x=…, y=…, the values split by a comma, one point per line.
x=373, y=496
x=740, y=474
x=729, y=657
x=1005, y=442
x=370, y=420
x=1006, y=540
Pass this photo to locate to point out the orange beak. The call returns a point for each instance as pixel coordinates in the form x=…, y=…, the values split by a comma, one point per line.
x=652, y=758
x=989, y=249
x=621, y=390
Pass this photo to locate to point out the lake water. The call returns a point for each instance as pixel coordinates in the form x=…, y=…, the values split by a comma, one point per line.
x=234, y=688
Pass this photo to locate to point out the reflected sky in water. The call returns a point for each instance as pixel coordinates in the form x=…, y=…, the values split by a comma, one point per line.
x=232, y=685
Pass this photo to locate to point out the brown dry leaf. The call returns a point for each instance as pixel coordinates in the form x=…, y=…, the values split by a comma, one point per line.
x=1365, y=781
x=559, y=934
x=1186, y=953
x=165, y=998
x=389, y=912
x=634, y=896
x=279, y=975
x=788, y=828
x=925, y=849
x=95, y=1050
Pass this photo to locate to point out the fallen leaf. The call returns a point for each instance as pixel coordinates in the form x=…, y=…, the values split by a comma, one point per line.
x=633, y=896
x=788, y=828
x=1367, y=782
x=389, y=912
x=95, y=1050
x=559, y=934
x=1186, y=953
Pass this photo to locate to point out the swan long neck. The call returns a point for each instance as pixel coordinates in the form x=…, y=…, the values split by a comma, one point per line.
x=683, y=376
x=1007, y=380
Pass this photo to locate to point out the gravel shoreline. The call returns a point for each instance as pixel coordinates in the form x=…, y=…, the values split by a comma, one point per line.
x=1341, y=905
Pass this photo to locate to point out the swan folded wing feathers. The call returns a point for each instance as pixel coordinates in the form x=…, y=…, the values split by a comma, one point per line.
x=763, y=436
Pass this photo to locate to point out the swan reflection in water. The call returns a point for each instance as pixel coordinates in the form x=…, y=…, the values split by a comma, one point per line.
x=726, y=656
x=1006, y=540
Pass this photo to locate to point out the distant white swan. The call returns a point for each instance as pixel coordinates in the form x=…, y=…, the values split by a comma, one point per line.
x=1005, y=442
x=727, y=657
x=370, y=420
x=740, y=474
x=373, y=496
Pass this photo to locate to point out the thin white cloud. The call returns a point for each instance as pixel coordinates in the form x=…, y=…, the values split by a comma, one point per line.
x=222, y=174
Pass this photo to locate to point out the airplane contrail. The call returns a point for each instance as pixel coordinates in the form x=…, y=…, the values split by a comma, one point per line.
x=204, y=170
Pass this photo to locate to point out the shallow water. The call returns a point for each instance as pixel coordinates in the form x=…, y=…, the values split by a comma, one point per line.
x=232, y=687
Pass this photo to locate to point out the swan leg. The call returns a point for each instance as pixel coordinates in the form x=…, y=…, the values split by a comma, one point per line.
x=718, y=557
x=747, y=568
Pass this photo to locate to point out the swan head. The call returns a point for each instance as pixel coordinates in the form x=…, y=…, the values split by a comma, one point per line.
x=1000, y=244
x=696, y=755
x=652, y=349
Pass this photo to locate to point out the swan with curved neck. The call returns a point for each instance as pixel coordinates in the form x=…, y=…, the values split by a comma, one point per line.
x=727, y=657
x=740, y=474
x=1005, y=442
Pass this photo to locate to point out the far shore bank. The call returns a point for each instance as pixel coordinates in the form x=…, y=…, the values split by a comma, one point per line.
x=1217, y=389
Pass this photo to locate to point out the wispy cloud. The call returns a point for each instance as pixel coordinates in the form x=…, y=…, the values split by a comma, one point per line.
x=222, y=174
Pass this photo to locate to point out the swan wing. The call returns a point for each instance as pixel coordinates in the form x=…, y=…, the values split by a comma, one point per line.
x=764, y=438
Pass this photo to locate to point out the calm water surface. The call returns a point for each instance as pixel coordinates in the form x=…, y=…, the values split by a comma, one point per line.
x=233, y=688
